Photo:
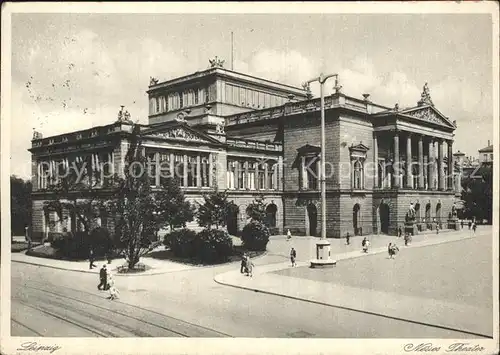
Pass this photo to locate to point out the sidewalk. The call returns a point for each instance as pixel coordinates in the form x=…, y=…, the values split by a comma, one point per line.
x=157, y=266
x=439, y=313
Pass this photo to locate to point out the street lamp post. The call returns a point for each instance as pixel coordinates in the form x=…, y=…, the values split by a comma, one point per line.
x=323, y=246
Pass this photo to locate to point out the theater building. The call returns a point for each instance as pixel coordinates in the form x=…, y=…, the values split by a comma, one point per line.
x=220, y=129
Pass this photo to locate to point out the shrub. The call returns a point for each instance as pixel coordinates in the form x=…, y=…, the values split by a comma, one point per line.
x=255, y=236
x=213, y=246
x=181, y=242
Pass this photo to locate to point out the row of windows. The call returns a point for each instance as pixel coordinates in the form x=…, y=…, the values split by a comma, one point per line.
x=178, y=100
x=247, y=97
x=248, y=175
x=190, y=170
x=96, y=167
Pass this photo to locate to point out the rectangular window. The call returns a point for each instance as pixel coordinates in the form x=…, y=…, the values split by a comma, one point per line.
x=251, y=176
x=179, y=168
x=311, y=170
x=231, y=167
x=241, y=173
x=164, y=167
x=151, y=168
x=196, y=97
x=261, y=177
x=181, y=100
x=205, y=176
x=270, y=176
x=192, y=171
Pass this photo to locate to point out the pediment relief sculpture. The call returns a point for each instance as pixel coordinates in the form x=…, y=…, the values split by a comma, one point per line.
x=178, y=133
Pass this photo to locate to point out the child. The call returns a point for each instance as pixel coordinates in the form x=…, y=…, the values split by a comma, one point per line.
x=113, y=291
x=250, y=266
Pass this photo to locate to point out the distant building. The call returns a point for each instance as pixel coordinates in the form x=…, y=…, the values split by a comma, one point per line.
x=253, y=137
x=486, y=154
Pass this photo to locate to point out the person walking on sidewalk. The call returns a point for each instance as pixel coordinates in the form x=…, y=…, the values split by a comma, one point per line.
x=293, y=256
x=348, y=239
x=365, y=244
x=103, y=277
x=288, y=235
x=474, y=226
x=113, y=291
x=249, y=266
x=400, y=232
x=91, y=259
x=470, y=224
x=243, y=263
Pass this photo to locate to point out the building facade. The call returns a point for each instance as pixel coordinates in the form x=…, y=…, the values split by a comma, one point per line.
x=219, y=129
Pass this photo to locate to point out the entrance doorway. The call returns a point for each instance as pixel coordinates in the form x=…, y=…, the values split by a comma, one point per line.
x=312, y=214
x=232, y=221
x=384, y=218
x=355, y=219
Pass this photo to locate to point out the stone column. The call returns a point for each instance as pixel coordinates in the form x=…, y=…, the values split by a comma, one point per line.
x=430, y=180
x=237, y=174
x=246, y=180
x=426, y=173
x=409, y=175
x=256, y=177
x=173, y=168
x=396, y=167
x=210, y=170
x=266, y=172
x=420, y=162
x=185, y=169
x=440, y=165
x=278, y=172
x=375, y=160
x=451, y=167
x=157, y=169
x=198, y=171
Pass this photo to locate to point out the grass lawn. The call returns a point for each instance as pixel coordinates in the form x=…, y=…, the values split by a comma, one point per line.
x=17, y=247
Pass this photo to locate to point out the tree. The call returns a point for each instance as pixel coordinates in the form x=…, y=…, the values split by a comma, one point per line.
x=172, y=208
x=20, y=204
x=215, y=210
x=478, y=194
x=257, y=210
x=134, y=206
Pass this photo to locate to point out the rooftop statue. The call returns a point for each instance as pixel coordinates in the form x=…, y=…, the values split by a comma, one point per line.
x=153, y=81
x=425, y=97
x=216, y=63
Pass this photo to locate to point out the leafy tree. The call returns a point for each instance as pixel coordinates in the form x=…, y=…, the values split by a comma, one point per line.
x=257, y=210
x=478, y=194
x=134, y=206
x=172, y=208
x=20, y=204
x=215, y=210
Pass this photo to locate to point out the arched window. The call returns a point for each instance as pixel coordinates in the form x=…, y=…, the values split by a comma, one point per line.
x=271, y=210
x=380, y=175
x=358, y=157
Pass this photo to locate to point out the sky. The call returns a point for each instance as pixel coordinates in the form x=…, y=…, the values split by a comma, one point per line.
x=73, y=71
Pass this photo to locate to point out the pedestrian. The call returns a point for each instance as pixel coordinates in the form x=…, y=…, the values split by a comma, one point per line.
x=293, y=256
x=462, y=224
x=407, y=237
x=365, y=244
x=103, y=277
x=389, y=250
x=113, y=291
x=243, y=263
x=437, y=228
x=288, y=235
x=27, y=236
x=400, y=232
x=249, y=266
x=395, y=249
x=91, y=259
x=470, y=224
x=474, y=226
x=347, y=239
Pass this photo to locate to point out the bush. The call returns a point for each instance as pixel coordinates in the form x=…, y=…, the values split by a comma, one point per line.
x=213, y=246
x=181, y=242
x=77, y=246
x=255, y=236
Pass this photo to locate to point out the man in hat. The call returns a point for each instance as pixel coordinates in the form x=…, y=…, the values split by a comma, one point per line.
x=103, y=277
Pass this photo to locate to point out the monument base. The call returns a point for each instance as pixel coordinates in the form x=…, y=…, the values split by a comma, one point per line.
x=323, y=263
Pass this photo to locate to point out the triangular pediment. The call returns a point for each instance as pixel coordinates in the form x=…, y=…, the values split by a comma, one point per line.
x=428, y=113
x=308, y=148
x=180, y=131
x=359, y=148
